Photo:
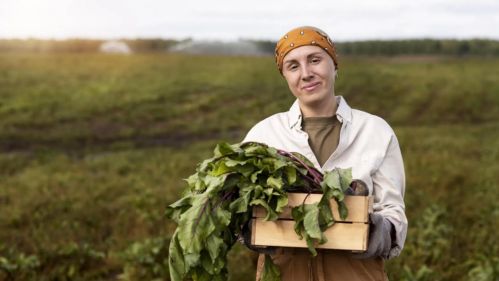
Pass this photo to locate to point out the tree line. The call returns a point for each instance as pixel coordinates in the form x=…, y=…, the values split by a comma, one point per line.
x=475, y=47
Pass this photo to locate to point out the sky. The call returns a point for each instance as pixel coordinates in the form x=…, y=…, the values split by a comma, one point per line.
x=230, y=20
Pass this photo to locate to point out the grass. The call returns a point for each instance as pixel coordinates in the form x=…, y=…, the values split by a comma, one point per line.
x=451, y=199
x=95, y=146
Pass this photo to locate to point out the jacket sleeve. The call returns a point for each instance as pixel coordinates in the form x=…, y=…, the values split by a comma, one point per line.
x=252, y=135
x=260, y=132
x=388, y=191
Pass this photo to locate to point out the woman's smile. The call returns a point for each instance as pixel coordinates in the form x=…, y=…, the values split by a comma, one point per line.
x=311, y=86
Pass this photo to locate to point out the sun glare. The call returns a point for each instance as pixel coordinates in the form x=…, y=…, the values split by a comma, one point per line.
x=35, y=19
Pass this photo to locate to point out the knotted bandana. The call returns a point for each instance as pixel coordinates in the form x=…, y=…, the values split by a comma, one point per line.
x=303, y=36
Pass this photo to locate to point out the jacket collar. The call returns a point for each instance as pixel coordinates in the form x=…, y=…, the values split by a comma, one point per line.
x=343, y=113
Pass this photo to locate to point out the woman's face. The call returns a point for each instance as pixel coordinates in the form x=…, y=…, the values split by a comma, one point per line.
x=310, y=74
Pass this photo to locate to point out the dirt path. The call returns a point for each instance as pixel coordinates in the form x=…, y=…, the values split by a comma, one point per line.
x=117, y=143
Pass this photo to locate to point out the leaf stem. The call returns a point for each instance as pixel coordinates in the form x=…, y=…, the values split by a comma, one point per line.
x=316, y=175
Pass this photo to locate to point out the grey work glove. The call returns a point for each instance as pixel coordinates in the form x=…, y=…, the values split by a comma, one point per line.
x=380, y=238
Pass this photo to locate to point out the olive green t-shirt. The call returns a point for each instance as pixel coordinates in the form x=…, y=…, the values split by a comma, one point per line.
x=323, y=135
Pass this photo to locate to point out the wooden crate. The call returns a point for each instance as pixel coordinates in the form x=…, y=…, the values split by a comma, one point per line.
x=349, y=234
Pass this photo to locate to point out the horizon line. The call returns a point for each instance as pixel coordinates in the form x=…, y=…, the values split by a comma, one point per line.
x=208, y=39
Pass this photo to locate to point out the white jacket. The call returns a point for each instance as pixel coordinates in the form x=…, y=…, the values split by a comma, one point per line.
x=367, y=144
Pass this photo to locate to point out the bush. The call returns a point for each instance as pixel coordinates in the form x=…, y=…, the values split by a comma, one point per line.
x=147, y=260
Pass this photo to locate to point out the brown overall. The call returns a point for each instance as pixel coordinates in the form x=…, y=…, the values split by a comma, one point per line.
x=297, y=264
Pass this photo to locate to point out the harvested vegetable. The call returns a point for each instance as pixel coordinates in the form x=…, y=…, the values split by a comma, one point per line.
x=221, y=193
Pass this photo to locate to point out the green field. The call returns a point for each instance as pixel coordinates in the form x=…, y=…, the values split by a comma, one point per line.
x=93, y=147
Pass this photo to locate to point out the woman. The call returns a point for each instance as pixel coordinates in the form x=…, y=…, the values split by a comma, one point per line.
x=322, y=127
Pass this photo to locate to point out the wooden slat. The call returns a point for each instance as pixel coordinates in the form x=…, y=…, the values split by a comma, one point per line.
x=358, y=207
x=280, y=233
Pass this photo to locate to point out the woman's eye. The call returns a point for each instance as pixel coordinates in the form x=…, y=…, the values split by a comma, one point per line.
x=293, y=67
x=315, y=60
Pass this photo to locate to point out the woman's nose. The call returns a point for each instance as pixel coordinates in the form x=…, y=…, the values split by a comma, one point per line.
x=306, y=72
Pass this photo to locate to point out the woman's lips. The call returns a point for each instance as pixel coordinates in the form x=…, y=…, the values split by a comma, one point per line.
x=311, y=86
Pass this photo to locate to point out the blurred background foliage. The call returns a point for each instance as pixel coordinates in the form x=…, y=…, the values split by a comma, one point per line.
x=94, y=146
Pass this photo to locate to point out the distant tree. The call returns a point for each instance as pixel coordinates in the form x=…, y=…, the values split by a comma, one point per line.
x=463, y=48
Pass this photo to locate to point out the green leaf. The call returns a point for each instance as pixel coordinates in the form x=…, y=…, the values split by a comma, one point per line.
x=220, y=168
x=311, y=221
x=279, y=163
x=203, y=166
x=342, y=210
x=224, y=149
x=221, y=218
x=234, y=163
x=245, y=170
x=255, y=149
x=176, y=259
x=192, y=260
x=196, y=183
x=298, y=215
x=276, y=183
x=185, y=201
x=195, y=225
x=268, y=191
x=326, y=218
x=176, y=209
x=310, y=246
x=214, y=244
x=282, y=202
x=201, y=274
x=271, y=151
x=270, y=271
x=192, y=179
x=338, y=195
x=290, y=174
x=207, y=265
x=271, y=214
x=331, y=180
x=240, y=205
x=214, y=183
x=254, y=176
x=345, y=178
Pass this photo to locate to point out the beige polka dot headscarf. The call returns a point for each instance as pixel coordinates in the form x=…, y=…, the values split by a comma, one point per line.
x=303, y=36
